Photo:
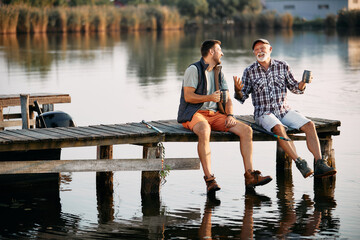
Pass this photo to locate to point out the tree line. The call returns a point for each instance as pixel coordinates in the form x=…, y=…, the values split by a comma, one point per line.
x=32, y=16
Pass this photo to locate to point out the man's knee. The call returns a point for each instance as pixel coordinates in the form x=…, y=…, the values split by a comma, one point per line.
x=247, y=130
x=243, y=130
x=278, y=129
x=309, y=126
x=202, y=129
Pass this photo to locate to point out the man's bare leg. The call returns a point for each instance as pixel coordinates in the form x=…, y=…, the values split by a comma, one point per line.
x=203, y=131
x=287, y=146
x=245, y=133
x=252, y=178
x=312, y=140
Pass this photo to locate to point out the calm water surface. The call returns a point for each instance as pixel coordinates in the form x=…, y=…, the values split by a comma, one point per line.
x=119, y=78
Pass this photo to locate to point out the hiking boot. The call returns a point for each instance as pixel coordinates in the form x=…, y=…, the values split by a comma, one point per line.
x=302, y=165
x=254, y=178
x=322, y=169
x=211, y=185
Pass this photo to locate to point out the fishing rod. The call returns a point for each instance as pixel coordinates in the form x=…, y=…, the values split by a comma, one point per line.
x=255, y=127
x=151, y=126
x=259, y=129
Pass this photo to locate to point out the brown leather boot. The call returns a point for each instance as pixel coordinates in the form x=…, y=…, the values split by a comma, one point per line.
x=211, y=184
x=254, y=178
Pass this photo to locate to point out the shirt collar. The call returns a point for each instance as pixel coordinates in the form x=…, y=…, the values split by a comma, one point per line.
x=272, y=63
x=205, y=66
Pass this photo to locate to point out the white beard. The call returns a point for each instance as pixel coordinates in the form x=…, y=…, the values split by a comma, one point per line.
x=262, y=56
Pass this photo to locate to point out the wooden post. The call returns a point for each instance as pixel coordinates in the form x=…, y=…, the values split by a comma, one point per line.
x=104, y=187
x=326, y=149
x=24, y=101
x=1, y=117
x=150, y=180
x=283, y=161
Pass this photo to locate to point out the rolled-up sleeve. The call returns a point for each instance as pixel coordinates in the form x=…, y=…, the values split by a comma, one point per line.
x=247, y=88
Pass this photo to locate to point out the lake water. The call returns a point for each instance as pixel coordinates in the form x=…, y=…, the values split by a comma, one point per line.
x=119, y=78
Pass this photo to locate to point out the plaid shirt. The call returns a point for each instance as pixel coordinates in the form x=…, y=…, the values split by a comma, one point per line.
x=269, y=88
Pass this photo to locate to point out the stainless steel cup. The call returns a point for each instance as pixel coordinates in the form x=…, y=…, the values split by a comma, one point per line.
x=307, y=76
x=223, y=96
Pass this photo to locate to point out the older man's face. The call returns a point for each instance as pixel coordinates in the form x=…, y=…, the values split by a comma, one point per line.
x=262, y=51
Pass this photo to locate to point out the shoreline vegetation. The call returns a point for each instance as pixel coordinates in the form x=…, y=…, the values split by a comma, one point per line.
x=22, y=18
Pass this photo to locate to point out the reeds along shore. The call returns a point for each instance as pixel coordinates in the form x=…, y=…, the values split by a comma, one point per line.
x=26, y=19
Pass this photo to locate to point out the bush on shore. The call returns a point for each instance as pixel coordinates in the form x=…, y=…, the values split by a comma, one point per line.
x=25, y=19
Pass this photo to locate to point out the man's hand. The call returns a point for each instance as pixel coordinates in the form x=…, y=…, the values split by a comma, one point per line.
x=215, y=97
x=238, y=85
x=230, y=122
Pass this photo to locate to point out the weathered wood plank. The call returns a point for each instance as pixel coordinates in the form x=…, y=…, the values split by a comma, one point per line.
x=120, y=128
x=132, y=129
x=77, y=142
x=33, y=134
x=42, y=98
x=66, y=132
x=25, y=114
x=106, y=128
x=83, y=132
x=130, y=133
x=15, y=123
x=99, y=165
x=12, y=116
x=17, y=135
x=139, y=127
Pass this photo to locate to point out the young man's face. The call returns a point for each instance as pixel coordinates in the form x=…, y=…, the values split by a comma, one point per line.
x=262, y=52
x=217, y=53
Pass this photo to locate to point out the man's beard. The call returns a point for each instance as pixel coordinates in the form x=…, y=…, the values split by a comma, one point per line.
x=217, y=61
x=262, y=56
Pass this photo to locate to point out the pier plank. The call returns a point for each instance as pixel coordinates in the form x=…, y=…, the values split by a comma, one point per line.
x=106, y=128
x=17, y=135
x=99, y=165
x=133, y=133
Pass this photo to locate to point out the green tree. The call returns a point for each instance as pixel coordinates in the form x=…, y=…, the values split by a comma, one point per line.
x=229, y=8
x=193, y=8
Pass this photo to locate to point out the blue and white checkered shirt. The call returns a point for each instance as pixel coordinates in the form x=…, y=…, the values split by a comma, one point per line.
x=269, y=88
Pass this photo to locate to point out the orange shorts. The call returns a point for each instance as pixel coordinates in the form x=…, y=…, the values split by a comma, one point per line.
x=215, y=119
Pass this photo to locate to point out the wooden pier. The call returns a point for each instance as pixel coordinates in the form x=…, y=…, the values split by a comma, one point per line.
x=105, y=136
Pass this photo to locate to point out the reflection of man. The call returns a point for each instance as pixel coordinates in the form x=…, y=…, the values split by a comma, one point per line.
x=267, y=80
x=199, y=112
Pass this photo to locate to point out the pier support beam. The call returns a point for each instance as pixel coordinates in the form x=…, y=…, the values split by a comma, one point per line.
x=283, y=161
x=150, y=180
x=326, y=149
x=104, y=187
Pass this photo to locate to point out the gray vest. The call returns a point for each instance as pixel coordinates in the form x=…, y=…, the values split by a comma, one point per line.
x=187, y=110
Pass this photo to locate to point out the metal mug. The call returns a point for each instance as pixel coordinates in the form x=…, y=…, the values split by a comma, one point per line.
x=307, y=76
x=223, y=96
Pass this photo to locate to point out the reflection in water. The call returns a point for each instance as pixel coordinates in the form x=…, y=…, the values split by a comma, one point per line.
x=296, y=219
x=28, y=210
x=151, y=56
x=151, y=59
x=205, y=227
x=36, y=209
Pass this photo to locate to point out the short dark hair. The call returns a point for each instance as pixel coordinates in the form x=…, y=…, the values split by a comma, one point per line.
x=207, y=45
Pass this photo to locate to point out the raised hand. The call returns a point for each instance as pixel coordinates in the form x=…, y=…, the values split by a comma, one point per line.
x=238, y=85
